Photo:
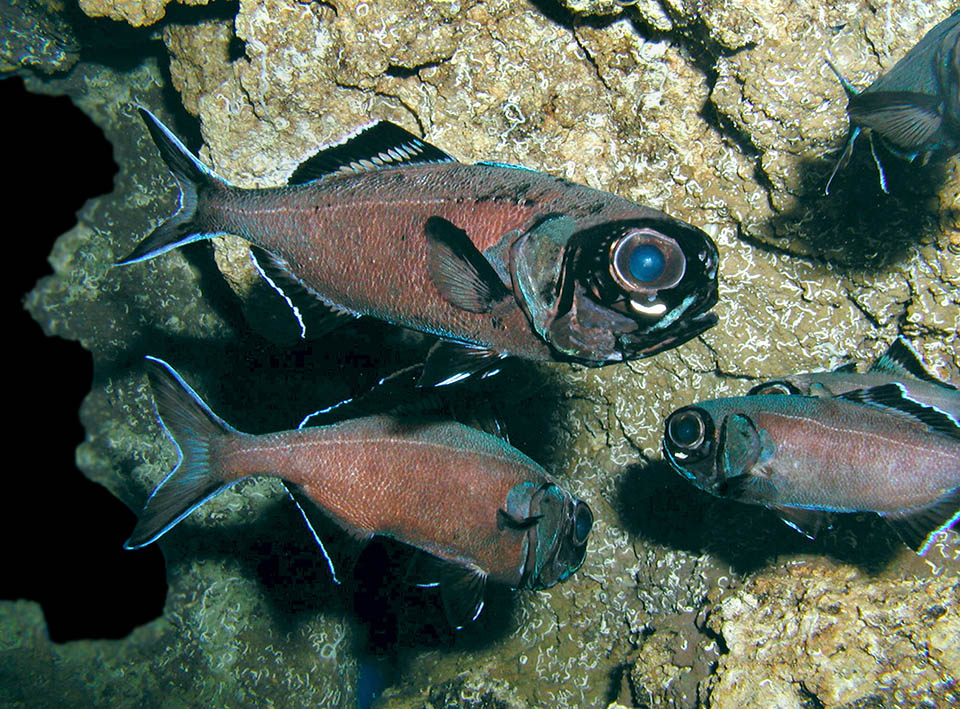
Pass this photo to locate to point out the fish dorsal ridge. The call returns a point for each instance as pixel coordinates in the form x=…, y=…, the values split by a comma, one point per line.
x=377, y=145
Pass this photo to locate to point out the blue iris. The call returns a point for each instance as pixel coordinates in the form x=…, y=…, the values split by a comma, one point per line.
x=647, y=263
x=685, y=429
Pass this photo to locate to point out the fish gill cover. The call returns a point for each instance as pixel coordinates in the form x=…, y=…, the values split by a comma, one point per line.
x=725, y=117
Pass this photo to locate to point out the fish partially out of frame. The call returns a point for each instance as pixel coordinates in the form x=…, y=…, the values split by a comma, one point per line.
x=494, y=259
x=913, y=109
x=805, y=456
x=476, y=507
x=900, y=366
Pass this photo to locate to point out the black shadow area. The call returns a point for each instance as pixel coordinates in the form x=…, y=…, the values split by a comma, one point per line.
x=858, y=226
x=655, y=503
x=62, y=535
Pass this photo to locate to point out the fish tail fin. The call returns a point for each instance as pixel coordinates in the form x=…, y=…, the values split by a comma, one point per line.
x=193, y=178
x=192, y=426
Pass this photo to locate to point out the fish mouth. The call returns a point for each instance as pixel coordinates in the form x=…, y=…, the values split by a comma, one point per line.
x=635, y=347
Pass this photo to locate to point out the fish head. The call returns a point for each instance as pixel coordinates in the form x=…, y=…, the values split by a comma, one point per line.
x=557, y=540
x=717, y=449
x=617, y=290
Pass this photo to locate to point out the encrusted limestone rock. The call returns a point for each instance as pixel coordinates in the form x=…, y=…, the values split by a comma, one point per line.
x=815, y=629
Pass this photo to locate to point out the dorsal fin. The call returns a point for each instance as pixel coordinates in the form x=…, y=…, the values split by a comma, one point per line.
x=896, y=399
x=380, y=144
x=902, y=359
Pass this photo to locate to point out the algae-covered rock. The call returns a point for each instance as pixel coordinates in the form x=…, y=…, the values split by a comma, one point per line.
x=818, y=630
x=721, y=114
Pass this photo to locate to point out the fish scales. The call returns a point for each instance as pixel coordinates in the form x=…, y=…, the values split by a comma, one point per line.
x=380, y=476
x=348, y=237
x=496, y=260
x=858, y=458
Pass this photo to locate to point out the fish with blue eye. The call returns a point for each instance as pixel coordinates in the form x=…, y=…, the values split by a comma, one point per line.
x=900, y=370
x=807, y=457
x=495, y=260
x=913, y=109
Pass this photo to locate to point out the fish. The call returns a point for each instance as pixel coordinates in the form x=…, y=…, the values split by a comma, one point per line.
x=494, y=260
x=478, y=509
x=900, y=366
x=913, y=109
x=807, y=457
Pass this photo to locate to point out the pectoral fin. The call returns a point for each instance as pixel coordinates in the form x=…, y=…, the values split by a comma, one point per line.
x=917, y=527
x=509, y=520
x=460, y=272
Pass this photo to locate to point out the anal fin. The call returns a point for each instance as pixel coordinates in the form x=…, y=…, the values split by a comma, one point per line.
x=315, y=316
x=917, y=527
x=322, y=527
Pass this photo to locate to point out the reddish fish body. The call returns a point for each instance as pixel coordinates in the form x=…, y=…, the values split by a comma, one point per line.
x=496, y=260
x=410, y=482
x=802, y=455
x=478, y=508
x=359, y=239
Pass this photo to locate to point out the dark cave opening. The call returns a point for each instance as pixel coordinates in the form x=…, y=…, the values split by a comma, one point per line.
x=62, y=534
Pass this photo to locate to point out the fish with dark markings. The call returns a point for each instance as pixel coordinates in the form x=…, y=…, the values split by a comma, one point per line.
x=900, y=366
x=804, y=456
x=495, y=260
x=476, y=507
x=913, y=109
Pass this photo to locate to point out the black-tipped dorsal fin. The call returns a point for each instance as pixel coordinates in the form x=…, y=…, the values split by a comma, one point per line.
x=902, y=359
x=460, y=272
x=895, y=398
x=379, y=144
x=917, y=527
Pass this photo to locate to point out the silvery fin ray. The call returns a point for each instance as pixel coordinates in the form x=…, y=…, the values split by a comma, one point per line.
x=497, y=261
x=913, y=109
x=477, y=508
x=899, y=370
x=804, y=456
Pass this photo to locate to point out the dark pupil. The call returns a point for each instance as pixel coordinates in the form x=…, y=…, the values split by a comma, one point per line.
x=685, y=429
x=583, y=522
x=647, y=263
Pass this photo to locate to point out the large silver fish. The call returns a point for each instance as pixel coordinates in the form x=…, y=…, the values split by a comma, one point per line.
x=913, y=109
x=803, y=456
x=478, y=508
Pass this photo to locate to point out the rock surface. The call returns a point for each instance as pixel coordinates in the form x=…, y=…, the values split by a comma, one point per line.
x=722, y=116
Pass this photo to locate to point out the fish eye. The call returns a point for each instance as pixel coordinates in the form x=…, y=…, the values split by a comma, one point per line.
x=687, y=429
x=582, y=523
x=645, y=260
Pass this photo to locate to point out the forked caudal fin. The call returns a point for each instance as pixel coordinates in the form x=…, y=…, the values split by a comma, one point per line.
x=193, y=177
x=191, y=425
